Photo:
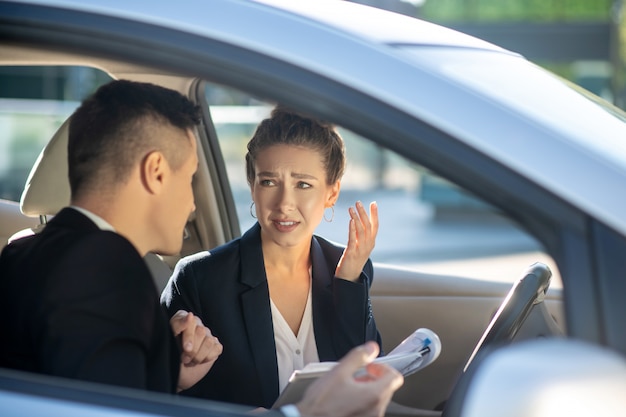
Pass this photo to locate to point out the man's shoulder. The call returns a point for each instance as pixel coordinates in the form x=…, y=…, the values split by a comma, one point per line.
x=69, y=239
x=105, y=243
x=72, y=266
x=66, y=249
x=67, y=230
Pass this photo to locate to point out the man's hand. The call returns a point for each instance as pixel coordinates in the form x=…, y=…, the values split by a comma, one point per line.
x=200, y=349
x=340, y=394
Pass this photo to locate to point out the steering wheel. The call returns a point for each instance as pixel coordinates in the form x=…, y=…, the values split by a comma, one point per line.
x=526, y=292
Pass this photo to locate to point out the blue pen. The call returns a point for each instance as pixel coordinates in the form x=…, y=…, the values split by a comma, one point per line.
x=424, y=350
x=426, y=347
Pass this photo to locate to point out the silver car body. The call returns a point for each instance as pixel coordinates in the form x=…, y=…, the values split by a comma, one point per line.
x=499, y=122
x=387, y=60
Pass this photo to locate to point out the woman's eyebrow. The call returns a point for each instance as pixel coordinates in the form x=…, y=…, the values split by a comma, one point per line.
x=303, y=176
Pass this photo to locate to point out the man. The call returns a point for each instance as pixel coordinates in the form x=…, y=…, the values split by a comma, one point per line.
x=82, y=303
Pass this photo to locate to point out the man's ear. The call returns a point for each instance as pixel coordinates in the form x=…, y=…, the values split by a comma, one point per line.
x=153, y=170
x=333, y=194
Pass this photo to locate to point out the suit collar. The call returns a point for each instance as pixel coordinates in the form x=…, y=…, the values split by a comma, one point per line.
x=71, y=219
x=252, y=265
x=323, y=301
x=255, y=301
x=99, y=221
x=323, y=273
x=253, y=269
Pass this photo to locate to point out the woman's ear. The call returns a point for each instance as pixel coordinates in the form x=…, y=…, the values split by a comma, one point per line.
x=333, y=194
x=153, y=169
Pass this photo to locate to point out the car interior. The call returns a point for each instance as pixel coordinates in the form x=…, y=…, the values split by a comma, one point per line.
x=454, y=300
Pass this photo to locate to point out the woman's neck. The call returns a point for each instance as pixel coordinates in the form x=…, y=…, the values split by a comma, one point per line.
x=287, y=258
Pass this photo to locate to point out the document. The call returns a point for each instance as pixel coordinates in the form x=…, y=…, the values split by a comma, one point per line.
x=415, y=352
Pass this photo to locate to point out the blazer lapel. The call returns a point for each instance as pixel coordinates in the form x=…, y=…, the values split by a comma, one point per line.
x=257, y=313
x=322, y=279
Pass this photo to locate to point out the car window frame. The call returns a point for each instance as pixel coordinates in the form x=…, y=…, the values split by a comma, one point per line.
x=550, y=220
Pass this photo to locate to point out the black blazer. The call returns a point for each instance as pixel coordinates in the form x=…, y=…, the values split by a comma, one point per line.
x=80, y=302
x=227, y=288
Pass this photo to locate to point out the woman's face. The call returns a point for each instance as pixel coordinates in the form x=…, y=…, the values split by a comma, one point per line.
x=290, y=193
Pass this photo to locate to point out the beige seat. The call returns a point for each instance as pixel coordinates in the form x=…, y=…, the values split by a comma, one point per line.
x=47, y=191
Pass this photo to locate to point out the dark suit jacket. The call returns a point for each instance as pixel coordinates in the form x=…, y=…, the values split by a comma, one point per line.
x=79, y=302
x=227, y=288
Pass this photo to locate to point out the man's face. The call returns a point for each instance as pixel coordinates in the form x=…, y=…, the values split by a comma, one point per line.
x=177, y=201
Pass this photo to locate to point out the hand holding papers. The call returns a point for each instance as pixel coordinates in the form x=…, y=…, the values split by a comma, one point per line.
x=415, y=352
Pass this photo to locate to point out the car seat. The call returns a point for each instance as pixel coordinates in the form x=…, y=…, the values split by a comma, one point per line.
x=47, y=191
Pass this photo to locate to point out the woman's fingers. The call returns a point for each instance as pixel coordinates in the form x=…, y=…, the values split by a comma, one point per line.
x=362, y=232
x=366, y=227
x=374, y=218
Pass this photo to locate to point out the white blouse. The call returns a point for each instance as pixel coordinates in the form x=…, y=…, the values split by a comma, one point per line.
x=293, y=352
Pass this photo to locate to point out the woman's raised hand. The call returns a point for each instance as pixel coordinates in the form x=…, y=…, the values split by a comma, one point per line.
x=361, y=240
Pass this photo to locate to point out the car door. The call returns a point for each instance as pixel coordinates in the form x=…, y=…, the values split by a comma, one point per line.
x=444, y=258
x=415, y=167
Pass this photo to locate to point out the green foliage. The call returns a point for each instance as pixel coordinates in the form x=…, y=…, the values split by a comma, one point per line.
x=516, y=10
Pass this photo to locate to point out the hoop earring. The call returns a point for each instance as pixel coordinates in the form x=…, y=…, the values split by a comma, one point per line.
x=252, y=212
x=332, y=216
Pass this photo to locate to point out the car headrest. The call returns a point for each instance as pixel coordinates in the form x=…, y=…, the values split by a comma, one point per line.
x=47, y=188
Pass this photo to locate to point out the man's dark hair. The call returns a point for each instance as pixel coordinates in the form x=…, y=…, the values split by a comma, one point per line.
x=114, y=128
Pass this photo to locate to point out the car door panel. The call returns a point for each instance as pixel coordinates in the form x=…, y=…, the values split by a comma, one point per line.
x=457, y=309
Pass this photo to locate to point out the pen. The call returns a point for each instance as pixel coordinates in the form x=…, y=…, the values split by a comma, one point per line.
x=420, y=353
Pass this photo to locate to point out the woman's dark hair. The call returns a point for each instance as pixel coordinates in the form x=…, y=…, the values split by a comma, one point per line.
x=286, y=127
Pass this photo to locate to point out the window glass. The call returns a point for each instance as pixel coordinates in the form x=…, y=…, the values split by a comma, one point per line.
x=426, y=223
x=34, y=102
x=529, y=89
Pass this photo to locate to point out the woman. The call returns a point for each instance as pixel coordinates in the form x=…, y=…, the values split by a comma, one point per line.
x=280, y=297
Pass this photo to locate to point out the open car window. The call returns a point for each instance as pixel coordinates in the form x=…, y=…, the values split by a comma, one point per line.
x=34, y=102
x=426, y=222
